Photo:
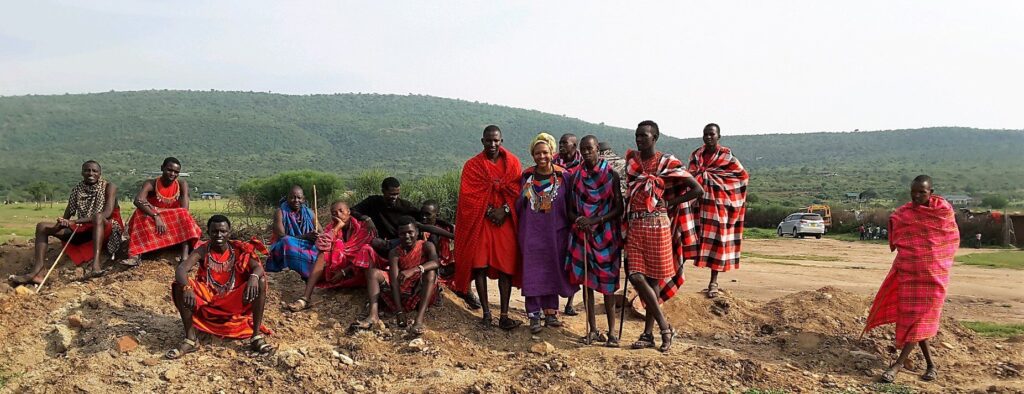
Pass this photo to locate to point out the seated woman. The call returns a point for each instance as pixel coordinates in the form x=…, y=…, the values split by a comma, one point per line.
x=162, y=219
x=97, y=224
x=293, y=244
x=344, y=254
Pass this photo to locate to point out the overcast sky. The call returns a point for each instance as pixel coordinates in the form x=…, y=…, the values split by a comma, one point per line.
x=753, y=67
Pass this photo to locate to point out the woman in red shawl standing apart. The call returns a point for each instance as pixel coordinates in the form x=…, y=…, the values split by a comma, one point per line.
x=925, y=237
x=714, y=223
x=655, y=180
x=485, y=245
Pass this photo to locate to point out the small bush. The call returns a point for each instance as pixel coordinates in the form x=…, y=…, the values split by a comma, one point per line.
x=266, y=192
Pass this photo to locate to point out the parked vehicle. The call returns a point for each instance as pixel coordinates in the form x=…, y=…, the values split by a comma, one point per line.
x=802, y=224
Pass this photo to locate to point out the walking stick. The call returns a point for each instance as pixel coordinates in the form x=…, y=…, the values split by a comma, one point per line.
x=586, y=261
x=316, y=216
x=54, y=265
x=625, y=294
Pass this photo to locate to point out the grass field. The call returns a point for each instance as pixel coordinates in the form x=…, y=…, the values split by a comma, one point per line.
x=18, y=221
x=987, y=329
x=1013, y=259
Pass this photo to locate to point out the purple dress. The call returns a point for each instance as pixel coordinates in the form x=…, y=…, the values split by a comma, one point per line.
x=543, y=239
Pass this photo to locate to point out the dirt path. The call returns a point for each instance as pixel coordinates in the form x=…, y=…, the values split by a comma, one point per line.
x=778, y=327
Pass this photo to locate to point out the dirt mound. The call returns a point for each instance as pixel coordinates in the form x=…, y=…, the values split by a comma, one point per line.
x=109, y=335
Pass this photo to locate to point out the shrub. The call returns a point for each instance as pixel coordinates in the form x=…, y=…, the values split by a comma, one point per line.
x=260, y=193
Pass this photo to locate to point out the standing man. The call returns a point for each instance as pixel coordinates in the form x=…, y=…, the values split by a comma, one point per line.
x=485, y=243
x=714, y=225
x=569, y=158
x=925, y=237
x=595, y=243
x=656, y=181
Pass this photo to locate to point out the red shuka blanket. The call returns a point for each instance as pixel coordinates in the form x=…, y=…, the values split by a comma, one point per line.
x=925, y=239
x=225, y=314
x=713, y=226
x=479, y=243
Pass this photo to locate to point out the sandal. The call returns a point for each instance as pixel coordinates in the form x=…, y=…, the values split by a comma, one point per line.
x=131, y=261
x=667, y=335
x=508, y=324
x=612, y=341
x=487, y=320
x=887, y=377
x=930, y=374
x=20, y=280
x=646, y=341
x=712, y=290
x=187, y=346
x=361, y=325
x=94, y=274
x=417, y=329
x=552, y=321
x=593, y=336
x=260, y=345
x=535, y=327
x=570, y=311
x=299, y=305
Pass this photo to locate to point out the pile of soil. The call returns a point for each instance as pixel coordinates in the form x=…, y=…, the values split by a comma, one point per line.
x=110, y=334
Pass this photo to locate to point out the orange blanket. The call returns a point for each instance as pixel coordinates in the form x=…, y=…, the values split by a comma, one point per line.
x=479, y=243
x=226, y=315
x=925, y=238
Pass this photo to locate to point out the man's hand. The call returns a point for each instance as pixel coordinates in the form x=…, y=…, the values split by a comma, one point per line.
x=161, y=227
x=252, y=289
x=586, y=224
x=189, y=297
x=310, y=236
x=368, y=222
x=406, y=274
x=62, y=222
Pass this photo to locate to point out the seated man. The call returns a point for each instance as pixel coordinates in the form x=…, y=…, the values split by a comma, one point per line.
x=97, y=224
x=441, y=234
x=344, y=253
x=162, y=219
x=228, y=294
x=382, y=211
x=411, y=280
x=293, y=244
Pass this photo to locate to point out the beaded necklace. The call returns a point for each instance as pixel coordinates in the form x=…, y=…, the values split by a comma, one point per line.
x=543, y=191
x=168, y=194
x=228, y=265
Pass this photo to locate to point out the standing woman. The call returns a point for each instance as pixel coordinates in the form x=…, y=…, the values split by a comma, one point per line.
x=543, y=234
x=655, y=181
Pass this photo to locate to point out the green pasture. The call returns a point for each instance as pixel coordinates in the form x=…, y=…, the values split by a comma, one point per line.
x=1012, y=259
x=18, y=221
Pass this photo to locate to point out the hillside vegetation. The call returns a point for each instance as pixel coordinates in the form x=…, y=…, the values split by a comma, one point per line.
x=224, y=138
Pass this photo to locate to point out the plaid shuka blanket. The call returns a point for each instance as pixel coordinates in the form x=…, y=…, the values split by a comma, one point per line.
x=591, y=191
x=655, y=186
x=712, y=231
x=925, y=239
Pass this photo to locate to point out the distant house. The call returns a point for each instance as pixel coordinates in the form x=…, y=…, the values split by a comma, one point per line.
x=210, y=196
x=959, y=200
x=852, y=196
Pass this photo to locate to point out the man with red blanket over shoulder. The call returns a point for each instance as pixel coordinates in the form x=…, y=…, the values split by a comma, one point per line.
x=485, y=244
x=713, y=229
x=227, y=295
x=162, y=219
x=925, y=237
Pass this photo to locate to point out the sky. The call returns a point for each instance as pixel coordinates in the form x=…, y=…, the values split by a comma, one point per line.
x=753, y=67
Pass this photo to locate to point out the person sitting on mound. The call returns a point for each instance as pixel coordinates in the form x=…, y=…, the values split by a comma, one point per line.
x=162, y=219
x=227, y=295
x=97, y=224
x=344, y=253
x=293, y=244
x=410, y=282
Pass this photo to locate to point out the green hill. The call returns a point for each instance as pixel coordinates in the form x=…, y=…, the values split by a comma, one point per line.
x=226, y=137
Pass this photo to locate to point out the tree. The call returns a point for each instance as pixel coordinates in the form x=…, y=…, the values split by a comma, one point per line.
x=868, y=194
x=41, y=191
x=994, y=202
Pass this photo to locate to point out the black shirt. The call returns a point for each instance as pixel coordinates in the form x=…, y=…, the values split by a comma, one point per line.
x=385, y=218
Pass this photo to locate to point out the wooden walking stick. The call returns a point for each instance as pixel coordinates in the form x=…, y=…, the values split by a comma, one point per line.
x=55, y=261
x=316, y=215
x=586, y=262
x=625, y=294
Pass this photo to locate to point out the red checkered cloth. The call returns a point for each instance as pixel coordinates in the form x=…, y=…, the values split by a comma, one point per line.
x=81, y=250
x=649, y=247
x=712, y=228
x=411, y=289
x=651, y=183
x=926, y=239
x=143, y=237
